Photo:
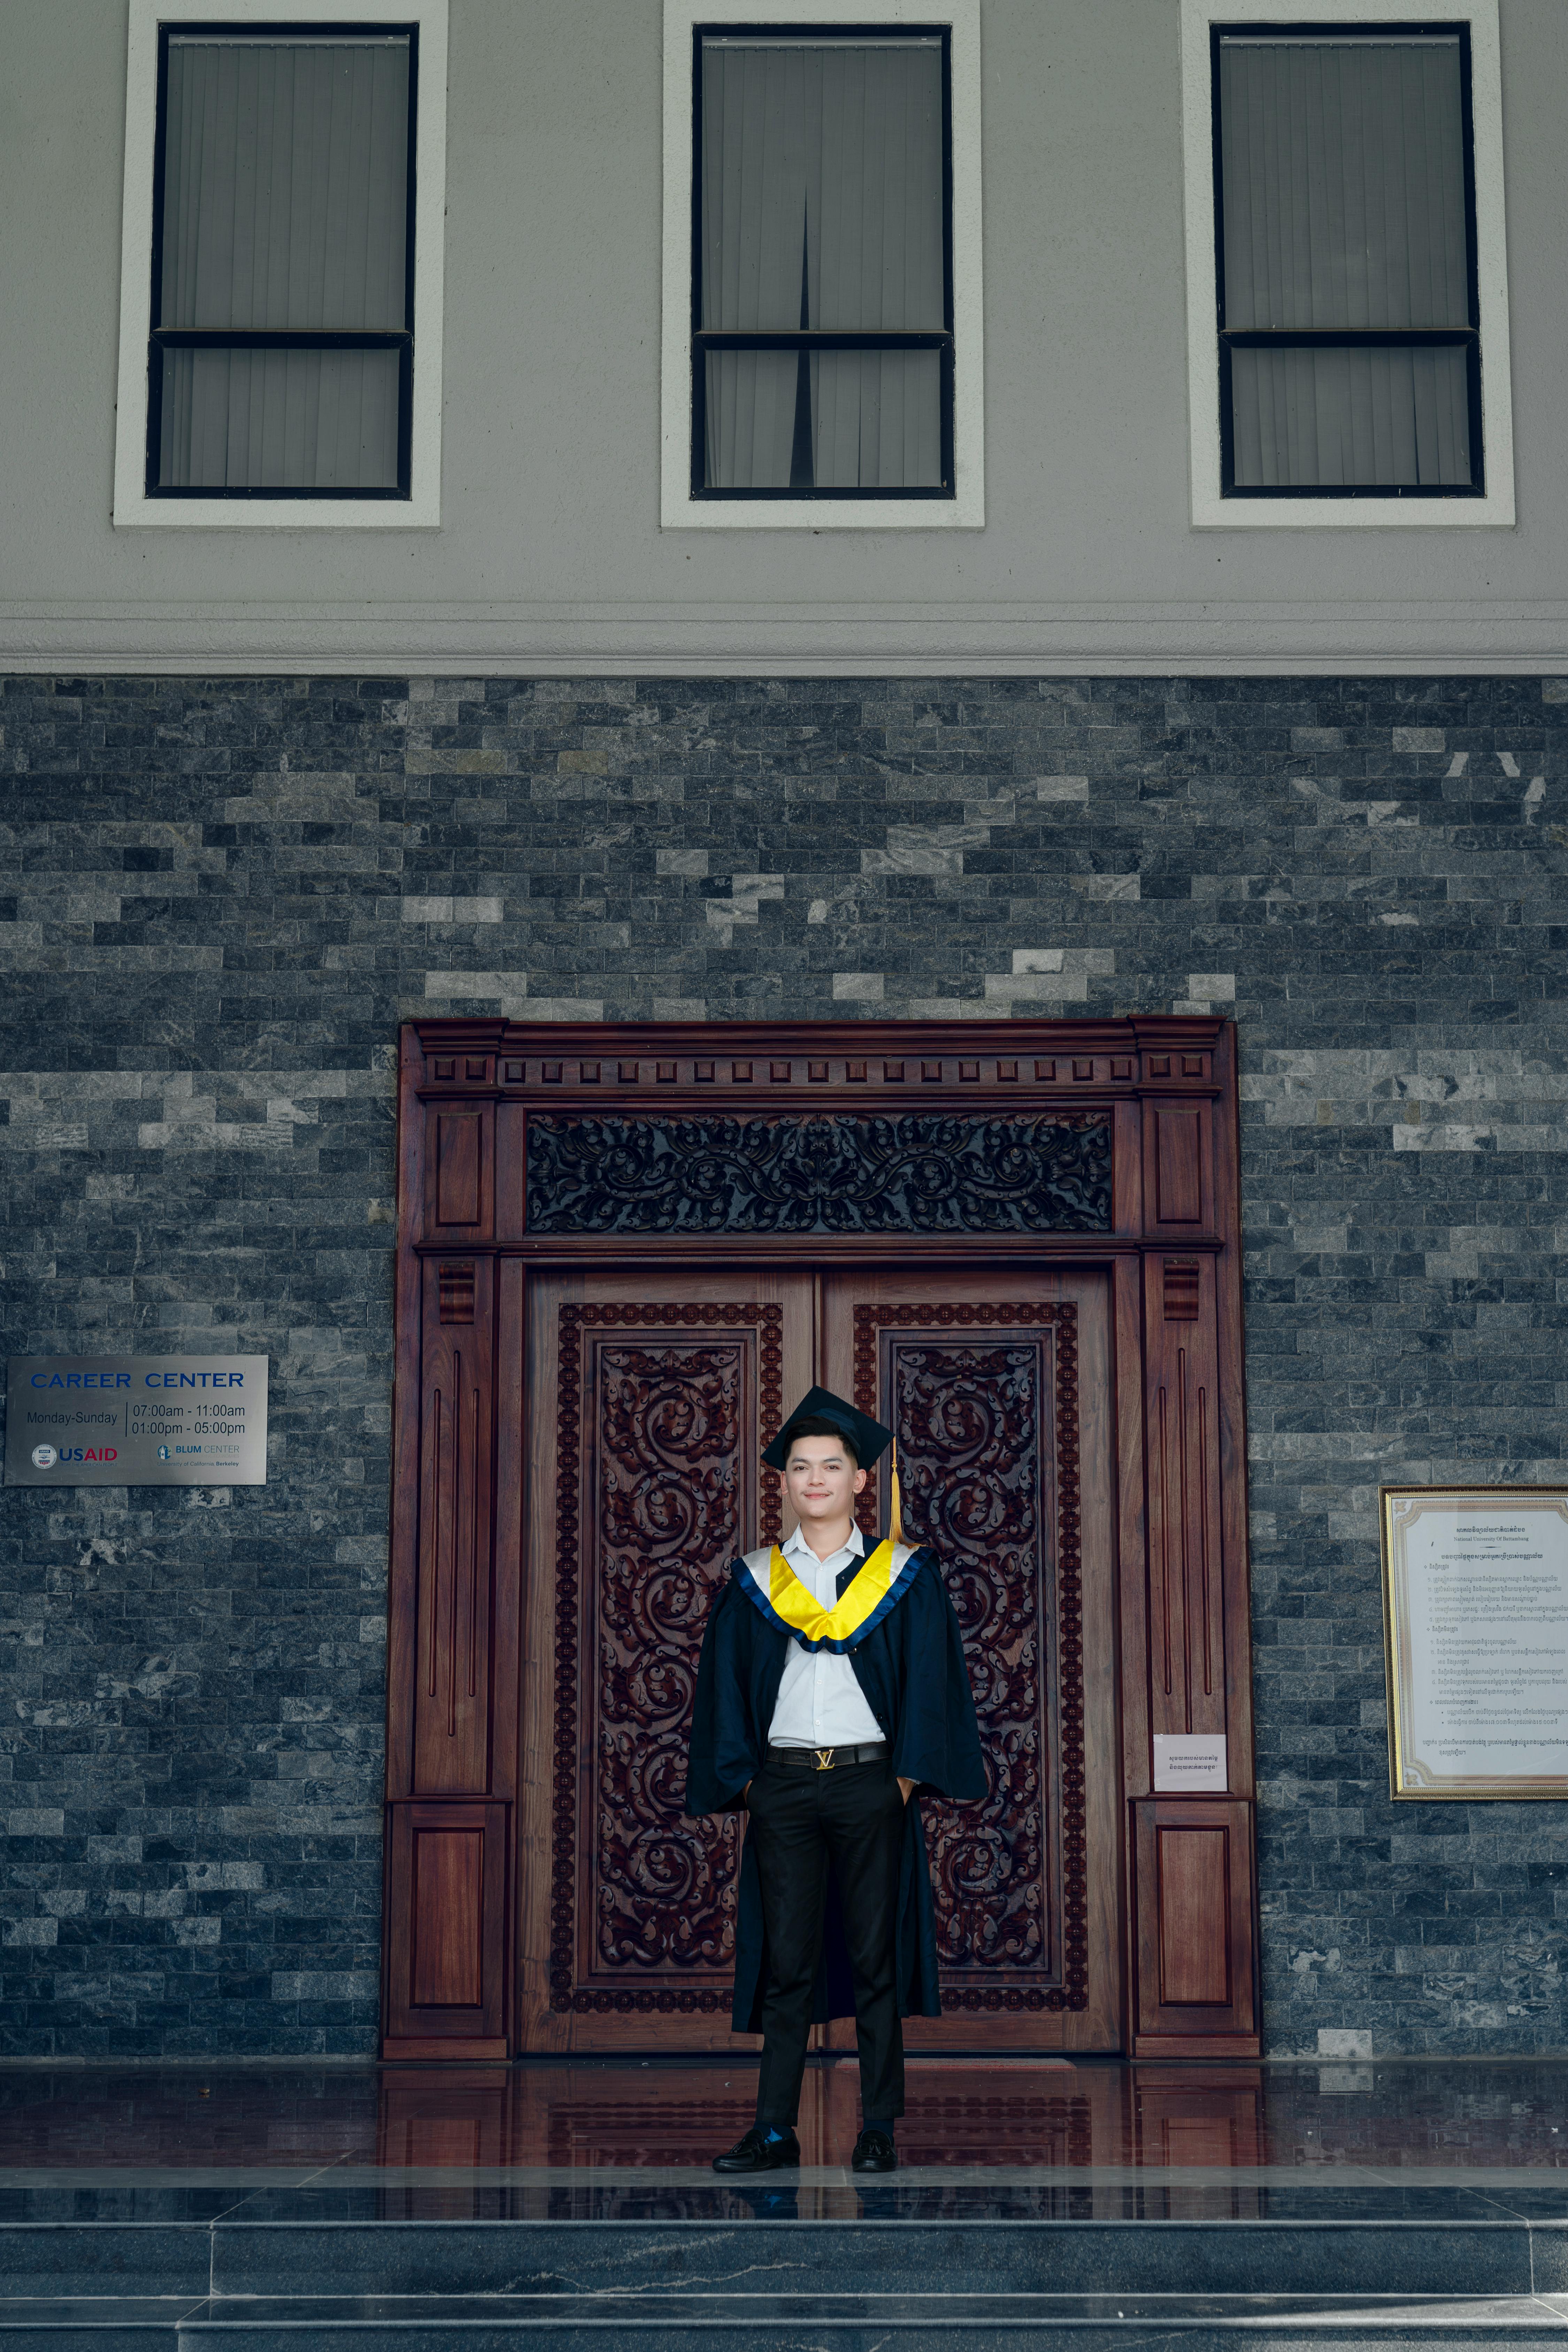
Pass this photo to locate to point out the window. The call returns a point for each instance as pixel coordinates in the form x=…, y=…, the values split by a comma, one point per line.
x=1356, y=365
x=821, y=293
x=821, y=169
x=280, y=351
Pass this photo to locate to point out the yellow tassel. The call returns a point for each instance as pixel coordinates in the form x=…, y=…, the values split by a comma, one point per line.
x=896, y=1532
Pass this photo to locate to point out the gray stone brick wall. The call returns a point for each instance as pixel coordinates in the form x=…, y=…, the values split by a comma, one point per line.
x=219, y=898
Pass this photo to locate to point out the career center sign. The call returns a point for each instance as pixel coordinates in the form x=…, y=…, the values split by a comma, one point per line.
x=136, y=1420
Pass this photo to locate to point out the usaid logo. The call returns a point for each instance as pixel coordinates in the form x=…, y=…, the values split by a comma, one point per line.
x=44, y=1457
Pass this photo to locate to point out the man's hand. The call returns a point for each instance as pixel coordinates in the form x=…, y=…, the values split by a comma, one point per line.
x=905, y=1787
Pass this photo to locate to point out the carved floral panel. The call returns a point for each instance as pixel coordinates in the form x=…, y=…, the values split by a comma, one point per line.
x=917, y=1174
x=657, y=1434
x=985, y=1424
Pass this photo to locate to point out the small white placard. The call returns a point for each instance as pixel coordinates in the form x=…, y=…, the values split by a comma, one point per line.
x=1185, y=1761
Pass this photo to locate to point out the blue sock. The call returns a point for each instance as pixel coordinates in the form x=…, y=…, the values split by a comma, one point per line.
x=876, y=2123
x=772, y=2132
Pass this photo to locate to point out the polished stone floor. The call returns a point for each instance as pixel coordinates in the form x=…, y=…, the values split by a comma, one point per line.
x=1451, y=2141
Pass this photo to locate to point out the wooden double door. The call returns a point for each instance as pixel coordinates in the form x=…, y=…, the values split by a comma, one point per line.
x=623, y=1255
x=649, y=1482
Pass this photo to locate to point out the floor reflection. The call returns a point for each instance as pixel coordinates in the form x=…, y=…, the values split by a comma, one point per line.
x=601, y=2139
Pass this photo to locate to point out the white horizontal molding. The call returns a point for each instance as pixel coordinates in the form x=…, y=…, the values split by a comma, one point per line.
x=1471, y=637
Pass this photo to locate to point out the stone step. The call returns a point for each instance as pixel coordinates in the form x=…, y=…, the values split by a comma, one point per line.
x=1453, y=2259
x=775, y=2323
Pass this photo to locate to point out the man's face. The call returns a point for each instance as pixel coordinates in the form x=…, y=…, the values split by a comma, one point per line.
x=820, y=1480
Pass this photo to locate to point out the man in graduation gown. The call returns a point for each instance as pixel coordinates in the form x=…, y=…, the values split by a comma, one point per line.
x=832, y=1688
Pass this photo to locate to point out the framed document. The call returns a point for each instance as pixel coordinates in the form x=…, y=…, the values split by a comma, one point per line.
x=1475, y=1618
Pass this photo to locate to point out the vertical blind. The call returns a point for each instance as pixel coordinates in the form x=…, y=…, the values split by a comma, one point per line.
x=284, y=209
x=822, y=207
x=1342, y=169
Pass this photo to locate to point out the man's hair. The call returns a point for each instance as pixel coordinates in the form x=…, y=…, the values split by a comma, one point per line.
x=813, y=1424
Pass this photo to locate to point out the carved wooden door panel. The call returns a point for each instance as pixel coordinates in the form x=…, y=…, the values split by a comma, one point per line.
x=649, y=1394
x=998, y=1390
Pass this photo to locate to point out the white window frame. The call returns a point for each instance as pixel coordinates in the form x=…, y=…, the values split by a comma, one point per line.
x=1211, y=511
x=421, y=511
x=965, y=511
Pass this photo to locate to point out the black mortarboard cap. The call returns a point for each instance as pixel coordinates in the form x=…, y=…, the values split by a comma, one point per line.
x=868, y=1437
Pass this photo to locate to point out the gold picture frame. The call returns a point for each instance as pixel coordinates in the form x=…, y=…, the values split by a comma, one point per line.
x=1475, y=1632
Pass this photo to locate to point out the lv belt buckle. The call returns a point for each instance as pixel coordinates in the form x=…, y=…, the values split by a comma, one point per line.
x=825, y=1760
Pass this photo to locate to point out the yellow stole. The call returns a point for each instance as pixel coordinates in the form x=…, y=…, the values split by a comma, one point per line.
x=804, y=1614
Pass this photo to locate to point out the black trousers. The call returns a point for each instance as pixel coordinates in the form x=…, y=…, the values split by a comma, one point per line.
x=852, y=1818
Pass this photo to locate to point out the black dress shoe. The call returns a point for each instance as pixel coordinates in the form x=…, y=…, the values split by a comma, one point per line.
x=874, y=2152
x=756, y=2153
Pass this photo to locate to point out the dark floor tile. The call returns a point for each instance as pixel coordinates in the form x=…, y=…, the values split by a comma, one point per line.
x=104, y=2258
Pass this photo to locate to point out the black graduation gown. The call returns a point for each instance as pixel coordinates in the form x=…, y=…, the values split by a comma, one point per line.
x=909, y=1664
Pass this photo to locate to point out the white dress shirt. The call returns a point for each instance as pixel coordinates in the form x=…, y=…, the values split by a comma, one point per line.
x=820, y=1704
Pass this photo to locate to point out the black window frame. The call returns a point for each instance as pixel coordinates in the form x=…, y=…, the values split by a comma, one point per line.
x=1233, y=339
x=809, y=339
x=162, y=339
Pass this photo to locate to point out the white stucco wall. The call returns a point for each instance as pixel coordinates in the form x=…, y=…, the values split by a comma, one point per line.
x=550, y=555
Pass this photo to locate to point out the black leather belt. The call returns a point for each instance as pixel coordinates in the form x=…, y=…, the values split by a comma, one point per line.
x=823, y=1759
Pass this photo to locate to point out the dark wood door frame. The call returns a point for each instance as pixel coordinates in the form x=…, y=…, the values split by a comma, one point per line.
x=1165, y=1089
